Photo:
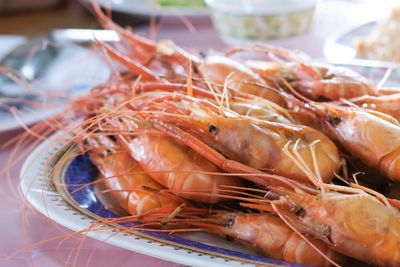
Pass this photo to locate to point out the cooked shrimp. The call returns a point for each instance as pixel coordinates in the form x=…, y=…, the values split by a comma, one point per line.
x=178, y=168
x=333, y=83
x=315, y=81
x=270, y=236
x=252, y=142
x=222, y=70
x=356, y=225
x=143, y=49
x=355, y=221
x=371, y=136
x=125, y=181
x=372, y=139
x=388, y=104
x=242, y=103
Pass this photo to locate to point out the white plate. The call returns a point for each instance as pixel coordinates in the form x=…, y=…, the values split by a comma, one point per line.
x=341, y=46
x=150, y=7
x=340, y=49
x=38, y=174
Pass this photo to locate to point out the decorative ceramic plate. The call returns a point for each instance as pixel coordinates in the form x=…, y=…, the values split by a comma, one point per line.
x=51, y=188
x=151, y=7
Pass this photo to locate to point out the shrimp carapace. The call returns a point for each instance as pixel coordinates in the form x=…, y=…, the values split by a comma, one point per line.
x=179, y=168
x=126, y=181
x=250, y=141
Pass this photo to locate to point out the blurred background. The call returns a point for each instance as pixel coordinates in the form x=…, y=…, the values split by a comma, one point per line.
x=317, y=20
x=327, y=30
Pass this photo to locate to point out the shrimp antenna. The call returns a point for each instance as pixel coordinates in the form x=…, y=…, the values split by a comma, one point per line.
x=347, y=102
x=385, y=77
x=294, y=92
x=212, y=90
x=189, y=79
x=225, y=96
x=299, y=162
x=173, y=214
x=316, y=168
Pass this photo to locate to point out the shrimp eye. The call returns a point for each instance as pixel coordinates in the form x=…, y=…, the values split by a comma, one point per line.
x=300, y=212
x=212, y=129
x=229, y=222
x=229, y=238
x=334, y=120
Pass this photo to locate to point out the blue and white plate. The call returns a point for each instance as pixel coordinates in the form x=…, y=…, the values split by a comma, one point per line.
x=51, y=188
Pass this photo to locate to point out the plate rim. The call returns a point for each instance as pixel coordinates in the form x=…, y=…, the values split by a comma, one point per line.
x=34, y=172
x=332, y=39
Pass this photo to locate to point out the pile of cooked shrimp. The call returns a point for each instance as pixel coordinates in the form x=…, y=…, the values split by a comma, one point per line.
x=292, y=159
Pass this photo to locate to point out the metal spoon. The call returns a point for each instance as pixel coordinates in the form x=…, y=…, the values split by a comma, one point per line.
x=31, y=59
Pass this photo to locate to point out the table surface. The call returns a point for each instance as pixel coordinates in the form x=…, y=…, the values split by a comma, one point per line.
x=23, y=231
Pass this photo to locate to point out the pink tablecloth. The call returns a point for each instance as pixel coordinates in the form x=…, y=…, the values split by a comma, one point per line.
x=23, y=231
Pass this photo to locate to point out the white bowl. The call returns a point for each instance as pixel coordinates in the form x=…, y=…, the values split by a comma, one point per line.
x=261, y=19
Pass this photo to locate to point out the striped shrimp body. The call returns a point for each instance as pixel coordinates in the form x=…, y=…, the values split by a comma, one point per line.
x=270, y=236
x=315, y=81
x=125, y=180
x=178, y=168
x=334, y=83
x=252, y=142
x=356, y=225
x=223, y=70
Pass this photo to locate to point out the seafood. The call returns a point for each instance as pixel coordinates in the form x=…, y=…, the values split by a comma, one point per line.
x=255, y=143
x=242, y=103
x=388, y=104
x=357, y=131
x=126, y=182
x=315, y=81
x=223, y=70
x=353, y=221
x=178, y=167
x=174, y=130
x=145, y=57
x=356, y=225
x=270, y=236
x=332, y=83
